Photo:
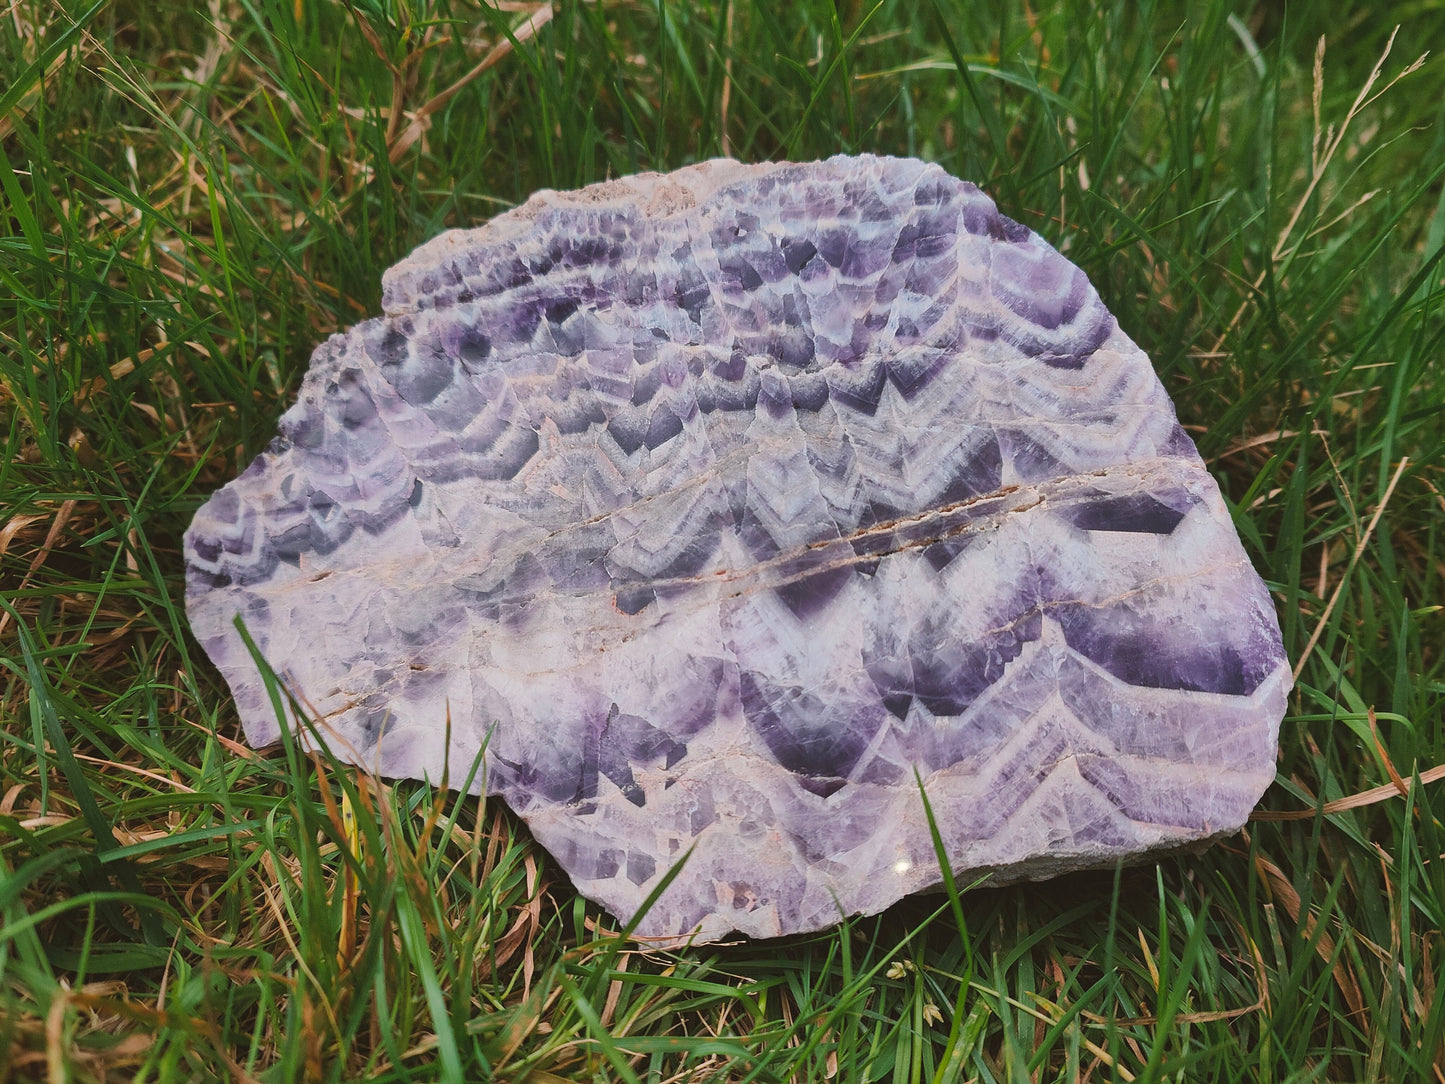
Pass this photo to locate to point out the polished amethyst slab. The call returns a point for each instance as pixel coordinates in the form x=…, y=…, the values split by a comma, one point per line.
x=718, y=504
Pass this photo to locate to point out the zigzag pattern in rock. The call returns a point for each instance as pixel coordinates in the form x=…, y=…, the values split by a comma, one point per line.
x=718, y=504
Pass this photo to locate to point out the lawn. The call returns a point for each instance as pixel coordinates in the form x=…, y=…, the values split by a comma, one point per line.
x=195, y=195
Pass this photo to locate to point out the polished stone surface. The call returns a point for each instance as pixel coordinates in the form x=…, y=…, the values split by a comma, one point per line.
x=720, y=503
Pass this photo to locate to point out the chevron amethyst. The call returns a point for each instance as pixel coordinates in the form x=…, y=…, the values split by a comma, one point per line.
x=715, y=505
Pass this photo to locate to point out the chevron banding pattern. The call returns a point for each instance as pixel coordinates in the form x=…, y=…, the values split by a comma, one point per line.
x=717, y=504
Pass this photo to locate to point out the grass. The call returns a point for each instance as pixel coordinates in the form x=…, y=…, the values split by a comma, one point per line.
x=194, y=195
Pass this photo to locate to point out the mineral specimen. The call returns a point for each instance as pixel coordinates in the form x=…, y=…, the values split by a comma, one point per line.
x=723, y=506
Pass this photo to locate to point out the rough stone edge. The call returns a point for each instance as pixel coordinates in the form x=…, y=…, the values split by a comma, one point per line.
x=662, y=195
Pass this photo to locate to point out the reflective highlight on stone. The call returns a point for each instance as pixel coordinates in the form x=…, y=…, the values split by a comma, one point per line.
x=718, y=504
